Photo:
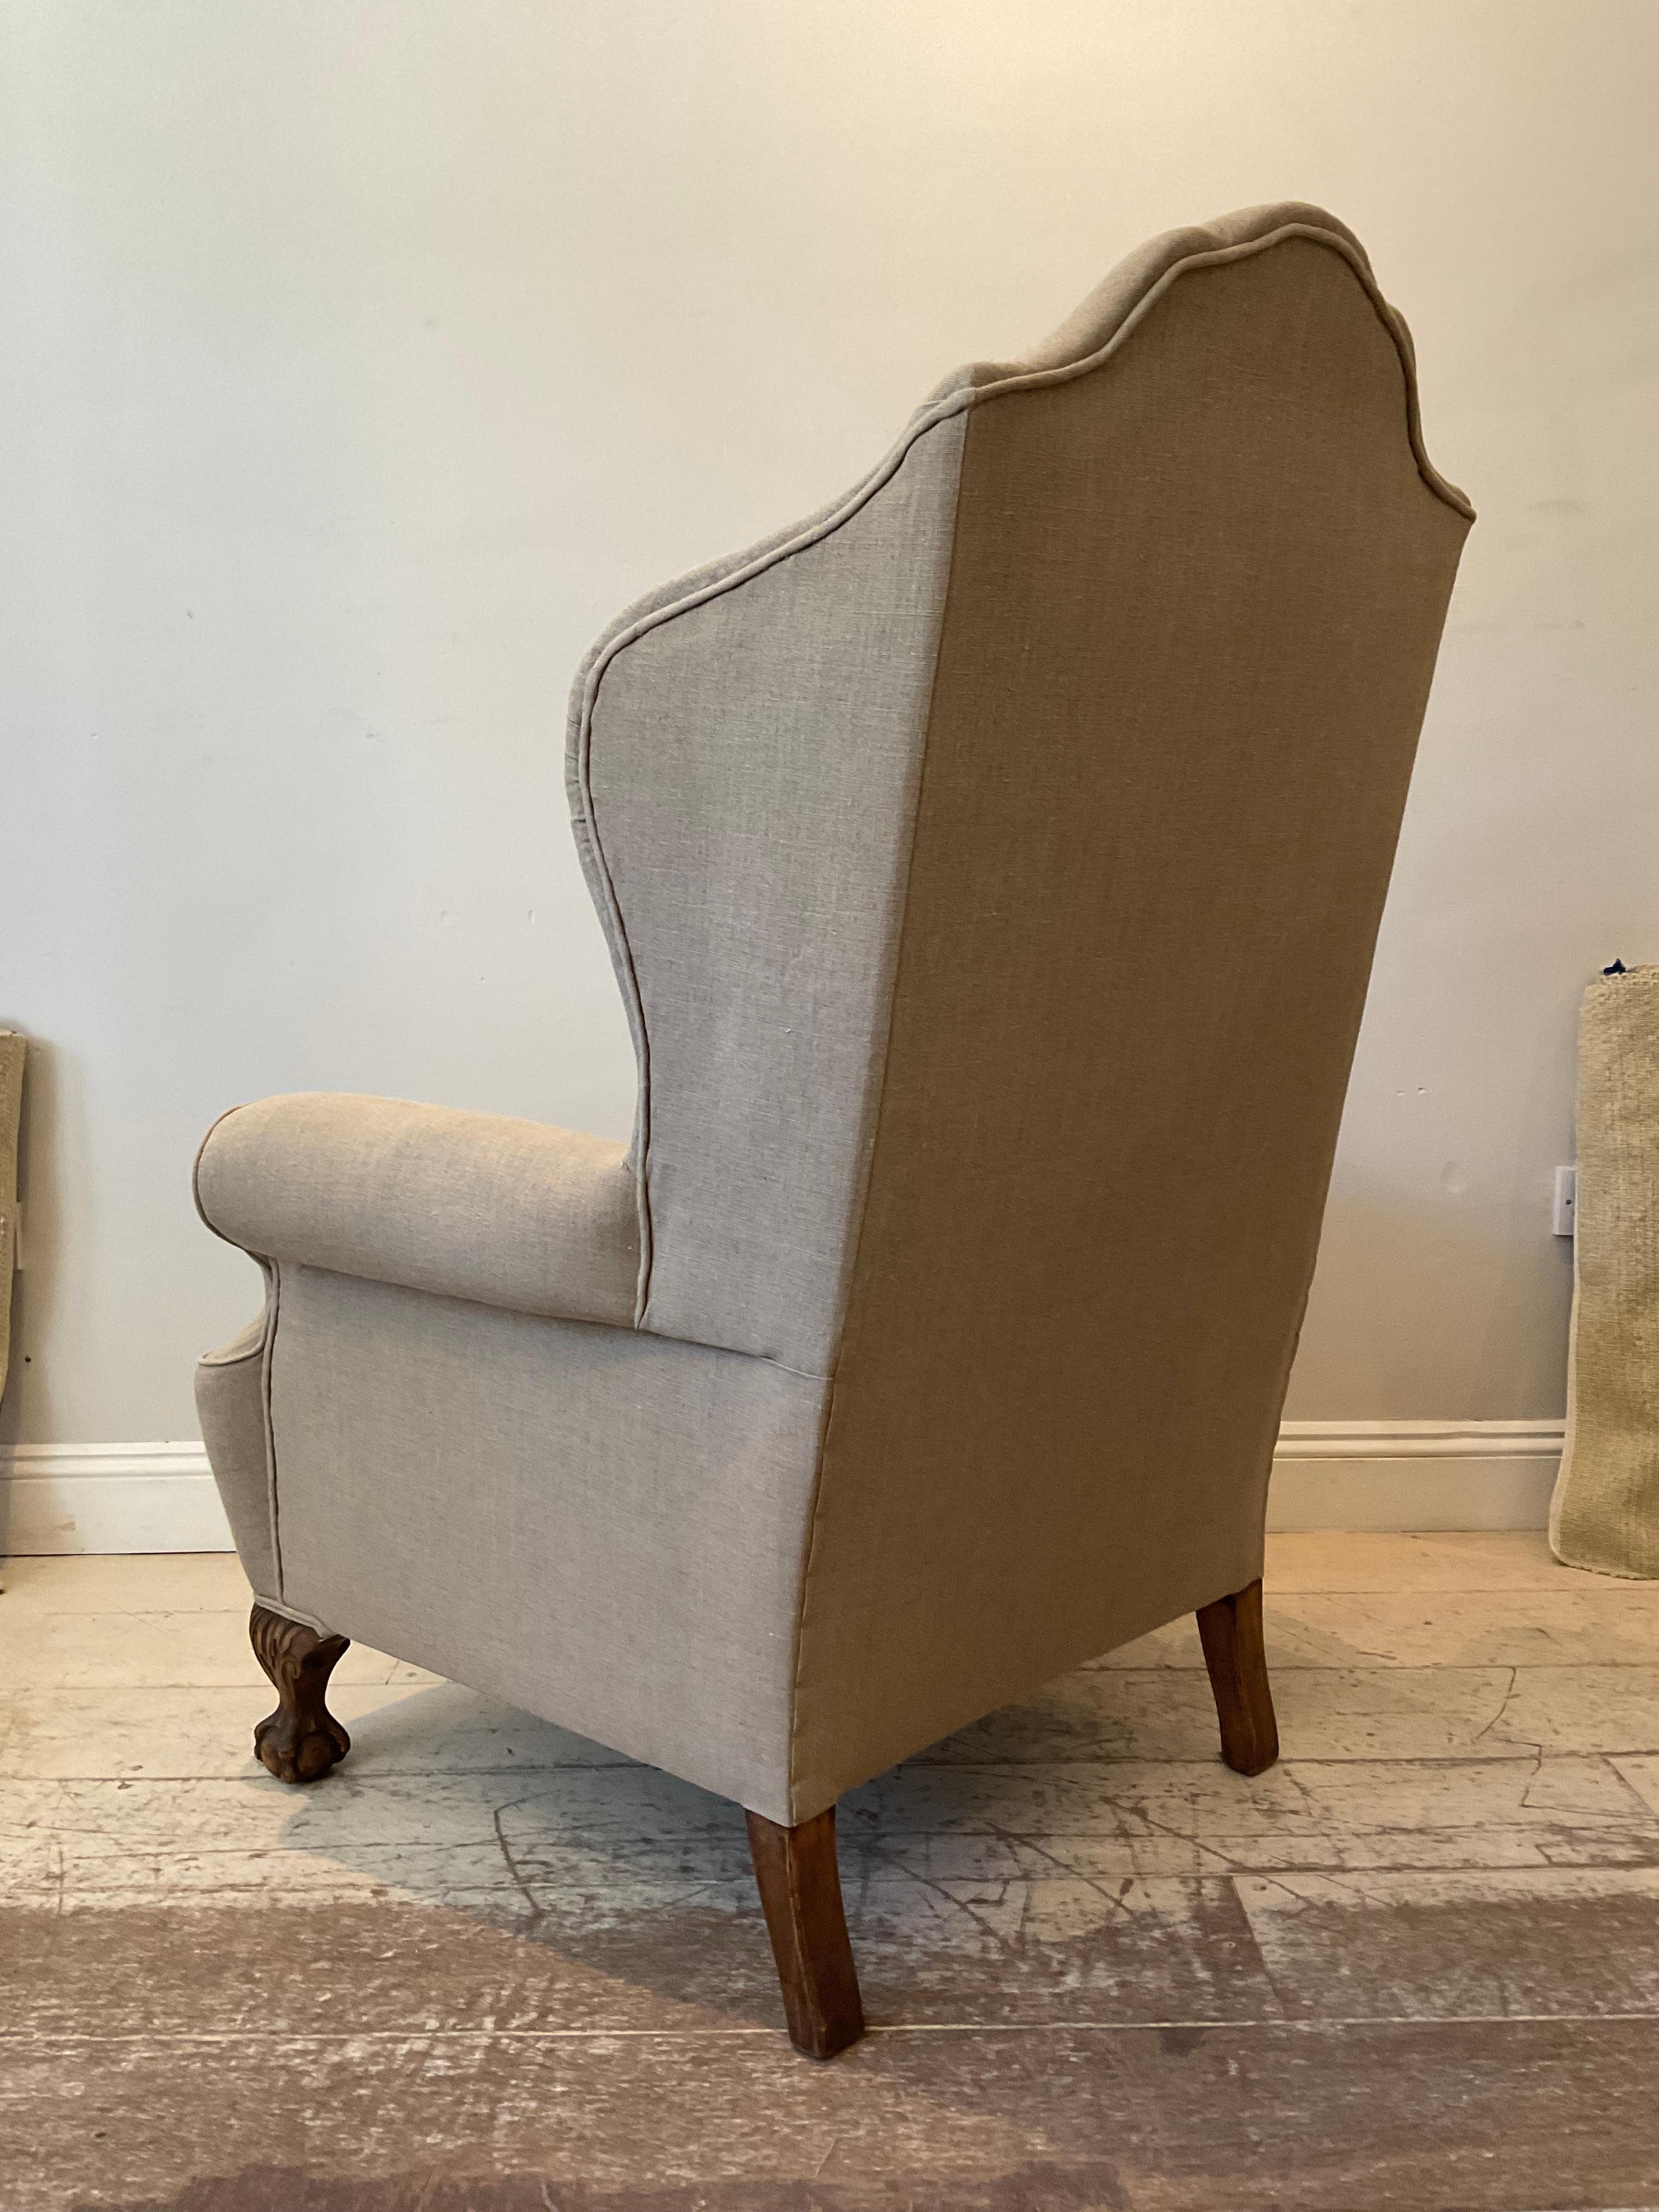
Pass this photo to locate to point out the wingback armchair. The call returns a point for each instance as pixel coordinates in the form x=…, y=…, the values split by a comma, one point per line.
x=991, y=865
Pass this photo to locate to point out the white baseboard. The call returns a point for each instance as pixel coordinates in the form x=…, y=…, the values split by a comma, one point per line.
x=1326, y=1474
x=1414, y=1475
x=109, y=1497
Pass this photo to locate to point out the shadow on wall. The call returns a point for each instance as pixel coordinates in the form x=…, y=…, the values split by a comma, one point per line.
x=34, y=1287
x=1411, y=1300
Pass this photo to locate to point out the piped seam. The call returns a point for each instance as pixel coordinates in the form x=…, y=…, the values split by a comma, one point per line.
x=273, y=1304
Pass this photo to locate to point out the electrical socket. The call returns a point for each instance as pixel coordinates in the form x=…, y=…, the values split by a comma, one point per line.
x=1565, y=1209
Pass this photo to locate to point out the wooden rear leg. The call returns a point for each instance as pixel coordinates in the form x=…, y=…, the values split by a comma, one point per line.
x=801, y=1890
x=1234, y=1653
x=301, y=1740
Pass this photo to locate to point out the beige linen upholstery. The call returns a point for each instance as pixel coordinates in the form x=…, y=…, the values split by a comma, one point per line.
x=991, y=865
x=605, y=1526
x=474, y=1206
x=232, y=1400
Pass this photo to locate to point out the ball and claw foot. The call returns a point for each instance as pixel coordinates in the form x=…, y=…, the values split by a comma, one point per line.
x=301, y=1740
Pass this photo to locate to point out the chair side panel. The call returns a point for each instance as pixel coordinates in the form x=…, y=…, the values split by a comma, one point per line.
x=230, y=1402
x=1192, y=619
x=752, y=766
x=593, y=1525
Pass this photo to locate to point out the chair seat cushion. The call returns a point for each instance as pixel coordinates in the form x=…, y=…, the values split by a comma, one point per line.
x=511, y=1213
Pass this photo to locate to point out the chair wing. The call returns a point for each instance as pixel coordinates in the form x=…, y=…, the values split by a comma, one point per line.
x=744, y=757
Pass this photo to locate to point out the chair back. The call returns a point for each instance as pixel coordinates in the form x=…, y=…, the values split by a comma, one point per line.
x=994, y=866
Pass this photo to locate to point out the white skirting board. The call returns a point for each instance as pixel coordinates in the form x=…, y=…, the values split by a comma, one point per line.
x=1326, y=1474
x=1414, y=1475
x=109, y=1497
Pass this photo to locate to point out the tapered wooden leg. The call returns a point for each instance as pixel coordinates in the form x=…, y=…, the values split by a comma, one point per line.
x=1233, y=1652
x=800, y=1889
x=301, y=1740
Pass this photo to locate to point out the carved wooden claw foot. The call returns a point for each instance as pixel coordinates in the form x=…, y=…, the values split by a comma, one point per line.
x=301, y=1740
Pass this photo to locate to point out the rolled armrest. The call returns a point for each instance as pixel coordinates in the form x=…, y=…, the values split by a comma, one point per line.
x=472, y=1206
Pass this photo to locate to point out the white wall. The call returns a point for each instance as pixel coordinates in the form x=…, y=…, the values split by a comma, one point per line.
x=360, y=360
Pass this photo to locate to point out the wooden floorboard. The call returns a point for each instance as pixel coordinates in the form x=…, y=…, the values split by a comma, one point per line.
x=1484, y=2116
x=486, y=1965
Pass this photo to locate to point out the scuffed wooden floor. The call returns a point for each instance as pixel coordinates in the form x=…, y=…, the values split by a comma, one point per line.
x=488, y=1967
